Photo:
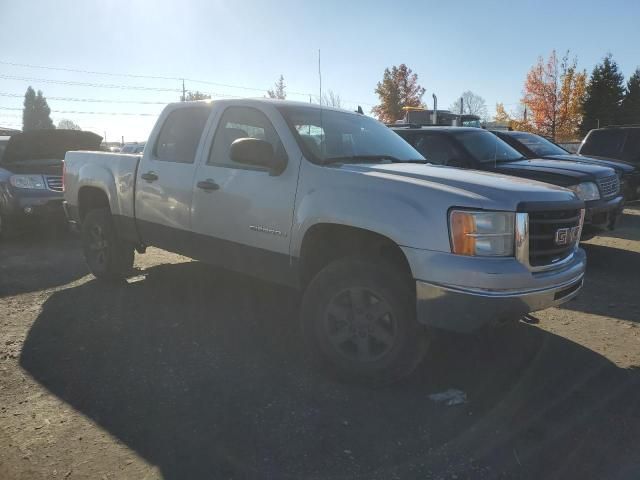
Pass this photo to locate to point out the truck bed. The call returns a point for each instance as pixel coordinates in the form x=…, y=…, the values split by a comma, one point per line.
x=115, y=171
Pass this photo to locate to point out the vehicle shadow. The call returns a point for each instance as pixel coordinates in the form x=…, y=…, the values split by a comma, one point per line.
x=39, y=260
x=201, y=373
x=607, y=269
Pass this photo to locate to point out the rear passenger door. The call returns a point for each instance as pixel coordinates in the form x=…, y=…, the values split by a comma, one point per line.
x=164, y=181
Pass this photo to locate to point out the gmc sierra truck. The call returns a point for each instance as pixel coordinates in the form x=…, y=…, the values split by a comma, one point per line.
x=335, y=204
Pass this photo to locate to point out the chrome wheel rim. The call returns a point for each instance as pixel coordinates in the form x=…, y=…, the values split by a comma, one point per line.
x=360, y=325
x=98, y=245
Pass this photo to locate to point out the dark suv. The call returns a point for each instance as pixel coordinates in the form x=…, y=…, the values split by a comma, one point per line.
x=621, y=142
x=534, y=146
x=478, y=149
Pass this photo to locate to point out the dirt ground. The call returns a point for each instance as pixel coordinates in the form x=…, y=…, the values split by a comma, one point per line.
x=189, y=372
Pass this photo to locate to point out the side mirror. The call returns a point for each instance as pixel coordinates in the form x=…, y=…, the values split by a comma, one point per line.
x=256, y=152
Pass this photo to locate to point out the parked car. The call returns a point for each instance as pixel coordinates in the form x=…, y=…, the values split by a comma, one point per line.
x=535, y=146
x=334, y=204
x=133, y=147
x=31, y=175
x=474, y=148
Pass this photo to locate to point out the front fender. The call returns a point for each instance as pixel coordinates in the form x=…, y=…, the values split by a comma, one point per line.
x=397, y=216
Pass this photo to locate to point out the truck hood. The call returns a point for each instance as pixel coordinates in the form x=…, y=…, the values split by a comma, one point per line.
x=47, y=145
x=470, y=187
x=557, y=172
x=618, y=165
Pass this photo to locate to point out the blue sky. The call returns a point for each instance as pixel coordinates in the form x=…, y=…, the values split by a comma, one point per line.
x=486, y=47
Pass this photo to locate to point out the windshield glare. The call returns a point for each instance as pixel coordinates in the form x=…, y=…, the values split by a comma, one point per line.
x=330, y=134
x=538, y=145
x=486, y=147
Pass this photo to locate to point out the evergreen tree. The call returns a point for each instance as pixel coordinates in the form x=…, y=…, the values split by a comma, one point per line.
x=604, y=95
x=36, y=113
x=279, y=90
x=630, y=111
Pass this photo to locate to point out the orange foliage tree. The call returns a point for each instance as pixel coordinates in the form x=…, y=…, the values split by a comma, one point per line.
x=553, y=93
x=399, y=88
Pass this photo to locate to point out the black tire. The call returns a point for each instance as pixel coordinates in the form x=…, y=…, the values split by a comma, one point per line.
x=107, y=256
x=393, y=343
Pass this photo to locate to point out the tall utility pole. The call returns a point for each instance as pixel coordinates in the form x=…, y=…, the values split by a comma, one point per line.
x=184, y=92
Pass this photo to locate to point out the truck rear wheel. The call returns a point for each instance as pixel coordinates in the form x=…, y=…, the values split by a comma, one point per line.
x=108, y=257
x=358, y=317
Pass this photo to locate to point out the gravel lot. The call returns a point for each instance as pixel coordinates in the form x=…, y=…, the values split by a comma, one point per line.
x=186, y=371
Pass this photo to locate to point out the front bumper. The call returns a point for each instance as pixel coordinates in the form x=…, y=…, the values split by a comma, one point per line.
x=464, y=310
x=32, y=207
x=602, y=214
x=462, y=294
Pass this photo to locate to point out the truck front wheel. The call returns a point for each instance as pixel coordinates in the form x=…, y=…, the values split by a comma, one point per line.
x=108, y=257
x=358, y=317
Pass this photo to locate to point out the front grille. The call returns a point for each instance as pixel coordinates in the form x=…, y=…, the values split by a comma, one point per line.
x=609, y=186
x=543, y=228
x=54, y=182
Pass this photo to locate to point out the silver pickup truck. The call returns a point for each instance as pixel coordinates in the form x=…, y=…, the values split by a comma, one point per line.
x=335, y=204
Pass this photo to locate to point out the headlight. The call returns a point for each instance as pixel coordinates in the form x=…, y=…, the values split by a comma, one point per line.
x=586, y=191
x=35, y=182
x=485, y=234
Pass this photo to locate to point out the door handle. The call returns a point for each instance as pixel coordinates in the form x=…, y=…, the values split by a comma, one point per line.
x=208, y=185
x=149, y=176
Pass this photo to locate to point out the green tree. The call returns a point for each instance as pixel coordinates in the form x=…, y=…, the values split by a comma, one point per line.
x=399, y=88
x=630, y=109
x=278, y=91
x=194, y=96
x=604, y=95
x=36, y=113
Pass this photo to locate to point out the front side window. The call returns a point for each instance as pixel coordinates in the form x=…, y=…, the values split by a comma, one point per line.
x=330, y=135
x=485, y=147
x=538, y=145
x=241, y=122
x=180, y=135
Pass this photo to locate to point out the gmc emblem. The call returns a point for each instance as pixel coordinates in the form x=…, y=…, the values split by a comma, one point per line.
x=565, y=236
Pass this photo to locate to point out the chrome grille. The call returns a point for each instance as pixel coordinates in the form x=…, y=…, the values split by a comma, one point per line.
x=609, y=186
x=54, y=182
x=543, y=227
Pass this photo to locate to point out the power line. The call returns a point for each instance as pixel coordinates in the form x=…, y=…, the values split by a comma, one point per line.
x=91, y=100
x=90, y=113
x=157, y=77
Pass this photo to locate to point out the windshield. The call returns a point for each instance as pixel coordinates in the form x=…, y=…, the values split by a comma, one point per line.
x=538, y=145
x=486, y=147
x=329, y=135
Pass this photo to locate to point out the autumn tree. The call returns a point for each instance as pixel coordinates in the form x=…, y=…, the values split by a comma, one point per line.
x=194, y=96
x=66, y=124
x=278, y=90
x=472, y=104
x=501, y=115
x=630, y=108
x=553, y=93
x=36, y=113
x=399, y=88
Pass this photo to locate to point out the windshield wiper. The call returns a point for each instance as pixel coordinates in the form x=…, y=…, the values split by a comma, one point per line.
x=369, y=158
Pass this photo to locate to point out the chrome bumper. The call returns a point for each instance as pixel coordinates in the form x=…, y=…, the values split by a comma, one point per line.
x=466, y=309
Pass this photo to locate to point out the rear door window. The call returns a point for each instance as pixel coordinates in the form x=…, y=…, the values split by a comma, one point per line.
x=604, y=143
x=180, y=135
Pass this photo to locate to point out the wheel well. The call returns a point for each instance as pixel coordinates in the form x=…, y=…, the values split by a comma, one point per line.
x=91, y=198
x=325, y=243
